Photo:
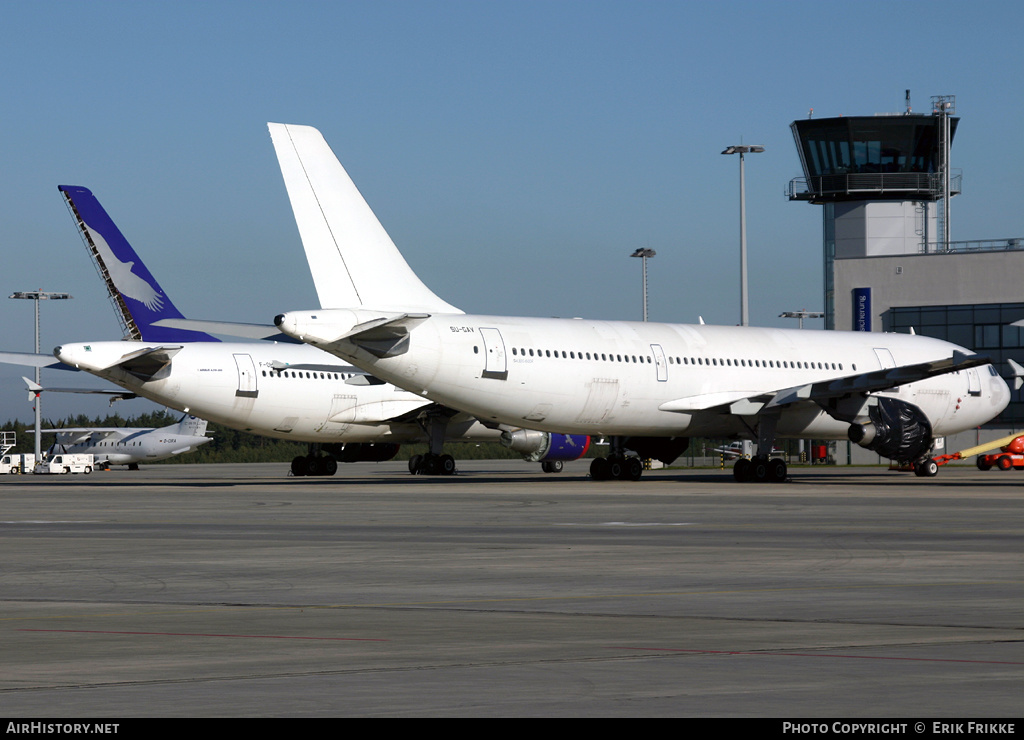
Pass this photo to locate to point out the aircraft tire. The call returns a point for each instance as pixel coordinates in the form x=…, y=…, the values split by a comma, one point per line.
x=447, y=464
x=600, y=469
x=926, y=468
x=415, y=464
x=615, y=468
x=633, y=469
x=759, y=469
x=330, y=466
x=431, y=465
x=741, y=470
x=777, y=470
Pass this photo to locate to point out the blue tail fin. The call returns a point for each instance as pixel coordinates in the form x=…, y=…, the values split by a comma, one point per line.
x=137, y=297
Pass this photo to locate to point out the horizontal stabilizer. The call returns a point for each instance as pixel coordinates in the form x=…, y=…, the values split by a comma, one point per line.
x=34, y=389
x=385, y=336
x=30, y=359
x=145, y=363
x=263, y=332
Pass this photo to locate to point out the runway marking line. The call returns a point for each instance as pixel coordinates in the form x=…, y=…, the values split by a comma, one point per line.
x=817, y=655
x=213, y=634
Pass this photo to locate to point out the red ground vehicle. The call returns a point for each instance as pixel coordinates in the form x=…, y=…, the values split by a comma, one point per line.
x=1010, y=456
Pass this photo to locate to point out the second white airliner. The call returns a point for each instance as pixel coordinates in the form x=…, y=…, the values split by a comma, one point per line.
x=647, y=386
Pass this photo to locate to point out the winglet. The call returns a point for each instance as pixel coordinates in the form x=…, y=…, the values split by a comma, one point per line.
x=138, y=299
x=353, y=260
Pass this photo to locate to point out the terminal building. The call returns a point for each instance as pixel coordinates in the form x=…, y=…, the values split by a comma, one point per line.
x=884, y=184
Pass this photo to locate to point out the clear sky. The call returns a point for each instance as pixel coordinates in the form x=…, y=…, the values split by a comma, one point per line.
x=517, y=152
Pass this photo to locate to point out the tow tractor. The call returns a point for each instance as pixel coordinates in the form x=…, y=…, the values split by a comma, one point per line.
x=1011, y=454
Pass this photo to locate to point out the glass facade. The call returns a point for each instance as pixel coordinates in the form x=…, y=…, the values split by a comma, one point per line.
x=870, y=144
x=982, y=327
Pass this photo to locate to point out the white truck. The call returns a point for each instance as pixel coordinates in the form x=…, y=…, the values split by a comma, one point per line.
x=17, y=462
x=64, y=463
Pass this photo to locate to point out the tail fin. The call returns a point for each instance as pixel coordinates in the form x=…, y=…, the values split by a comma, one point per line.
x=352, y=258
x=137, y=297
x=192, y=426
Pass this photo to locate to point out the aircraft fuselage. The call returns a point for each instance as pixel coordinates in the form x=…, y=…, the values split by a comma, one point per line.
x=644, y=379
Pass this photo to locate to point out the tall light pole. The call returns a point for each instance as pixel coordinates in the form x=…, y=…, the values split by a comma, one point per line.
x=742, y=150
x=644, y=253
x=39, y=295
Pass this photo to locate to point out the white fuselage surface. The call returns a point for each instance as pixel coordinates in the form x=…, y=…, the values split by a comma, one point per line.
x=644, y=379
x=283, y=390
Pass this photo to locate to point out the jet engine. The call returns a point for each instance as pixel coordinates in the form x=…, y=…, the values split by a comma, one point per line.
x=537, y=446
x=897, y=430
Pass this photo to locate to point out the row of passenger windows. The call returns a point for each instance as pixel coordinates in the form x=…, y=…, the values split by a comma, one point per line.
x=676, y=360
x=307, y=374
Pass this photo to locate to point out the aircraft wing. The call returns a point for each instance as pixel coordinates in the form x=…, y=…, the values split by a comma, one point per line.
x=826, y=390
x=105, y=431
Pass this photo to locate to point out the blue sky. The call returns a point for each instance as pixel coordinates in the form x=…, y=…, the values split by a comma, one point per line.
x=516, y=152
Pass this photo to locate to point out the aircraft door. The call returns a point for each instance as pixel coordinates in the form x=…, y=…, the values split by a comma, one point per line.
x=246, y=376
x=973, y=382
x=885, y=358
x=660, y=363
x=495, y=362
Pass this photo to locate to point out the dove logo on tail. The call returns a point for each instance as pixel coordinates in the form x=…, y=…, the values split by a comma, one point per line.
x=138, y=298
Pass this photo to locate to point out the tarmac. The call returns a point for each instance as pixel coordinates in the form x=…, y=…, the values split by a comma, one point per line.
x=238, y=591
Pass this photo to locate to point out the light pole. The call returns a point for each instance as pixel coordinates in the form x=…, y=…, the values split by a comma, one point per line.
x=644, y=253
x=39, y=295
x=801, y=315
x=742, y=150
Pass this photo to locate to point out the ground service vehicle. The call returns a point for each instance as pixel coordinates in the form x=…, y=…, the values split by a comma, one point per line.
x=65, y=463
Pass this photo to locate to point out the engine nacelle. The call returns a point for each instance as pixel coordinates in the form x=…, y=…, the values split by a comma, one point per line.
x=537, y=446
x=897, y=430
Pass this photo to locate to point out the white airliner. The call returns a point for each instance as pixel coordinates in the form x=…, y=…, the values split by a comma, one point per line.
x=647, y=386
x=282, y=389
x=130, y=446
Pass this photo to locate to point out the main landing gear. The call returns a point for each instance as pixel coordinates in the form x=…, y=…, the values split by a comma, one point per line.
x=432, y=464
x=760, y=469
x=314, y=464
x=618, y=465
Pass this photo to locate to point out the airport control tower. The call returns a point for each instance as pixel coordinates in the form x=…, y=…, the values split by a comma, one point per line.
x=884, y=182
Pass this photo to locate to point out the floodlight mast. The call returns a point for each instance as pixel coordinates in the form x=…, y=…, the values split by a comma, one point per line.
x=742, y=150
x=644, y=253
x=39, y=295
